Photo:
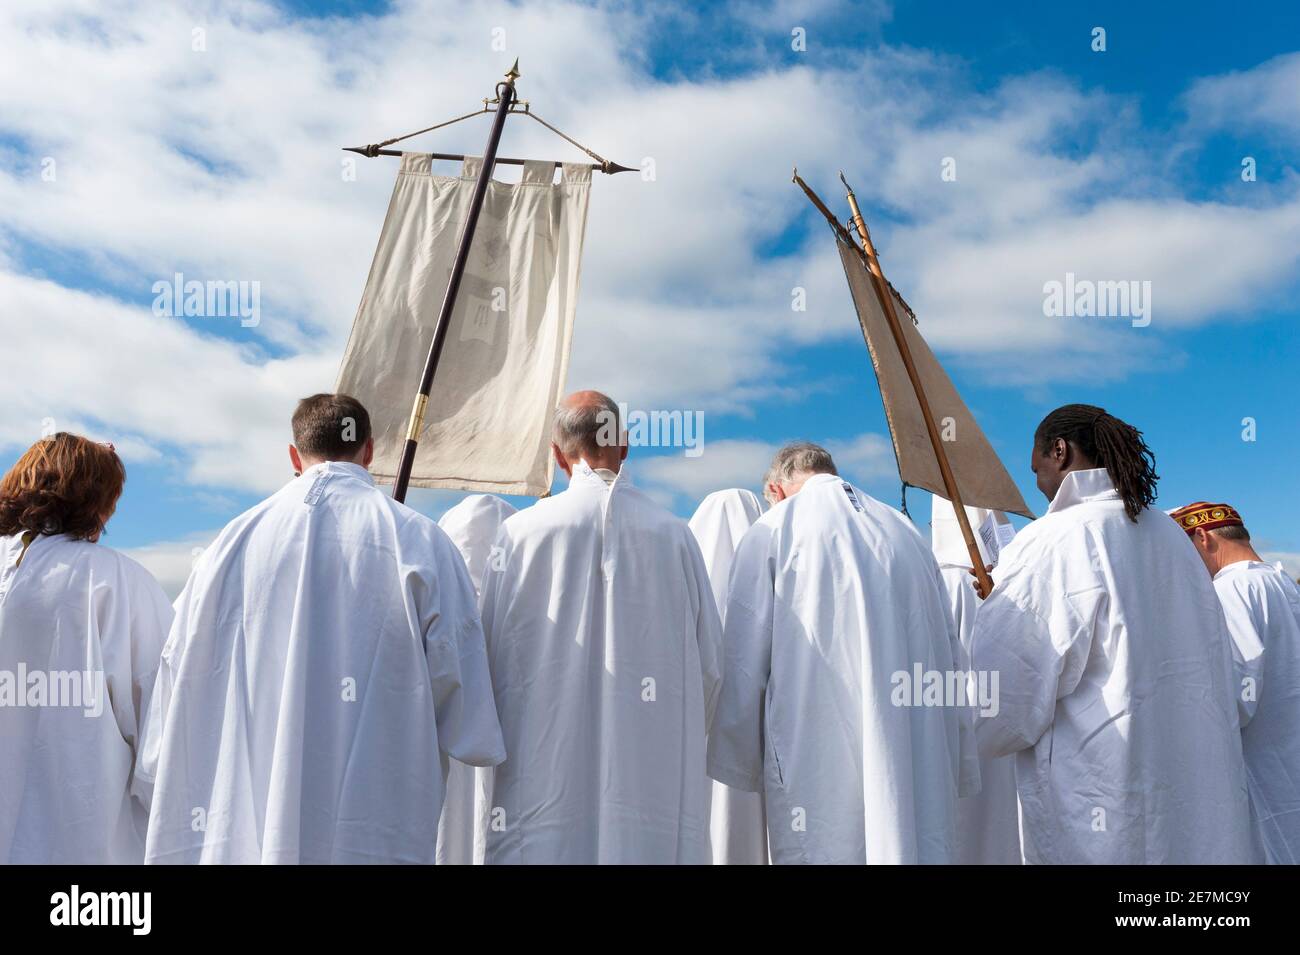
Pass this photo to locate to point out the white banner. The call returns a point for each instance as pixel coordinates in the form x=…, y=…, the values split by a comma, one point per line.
x=503, y=368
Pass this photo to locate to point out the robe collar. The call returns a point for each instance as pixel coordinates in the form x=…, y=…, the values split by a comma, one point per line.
x=340, y=468
x=820, y=479
x=584, y=476
x=1083, y=487
x=585, y=480
x=1240, y=565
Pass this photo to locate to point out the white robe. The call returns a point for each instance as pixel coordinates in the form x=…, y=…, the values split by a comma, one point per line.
x=834, y=602
x=1262, y=606
x=988, y=822
x=326, y=653
x=83, y=627
x=1115, y=688
x=737, y=824
x=472, y=526
x=604, y=645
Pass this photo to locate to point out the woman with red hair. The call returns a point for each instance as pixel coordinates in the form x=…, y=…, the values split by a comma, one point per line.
x=81, y=633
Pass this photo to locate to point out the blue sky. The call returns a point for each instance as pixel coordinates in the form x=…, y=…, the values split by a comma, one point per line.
x=1123, y=164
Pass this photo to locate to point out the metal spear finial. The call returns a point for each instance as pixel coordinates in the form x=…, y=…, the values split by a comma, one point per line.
x=513, y=73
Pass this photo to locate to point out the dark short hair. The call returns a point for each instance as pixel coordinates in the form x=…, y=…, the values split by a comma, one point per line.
x=330, y=427
x=63, y=484
x=1232, y=532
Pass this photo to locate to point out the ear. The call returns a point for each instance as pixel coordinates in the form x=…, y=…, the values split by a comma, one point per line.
x=622, y=452
x=561, y=460
x=295, y=460
x=368, y=453
x=1203, y=539
x=1061, y=452
x=778, y=492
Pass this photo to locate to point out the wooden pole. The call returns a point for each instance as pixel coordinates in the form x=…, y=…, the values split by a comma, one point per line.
x=505, y=97
x=985, y=583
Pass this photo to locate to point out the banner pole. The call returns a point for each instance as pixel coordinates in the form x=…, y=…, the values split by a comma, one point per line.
x=984, y=582
x=505, y=99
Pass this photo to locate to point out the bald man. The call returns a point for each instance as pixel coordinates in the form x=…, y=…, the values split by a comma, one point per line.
x=604, y=641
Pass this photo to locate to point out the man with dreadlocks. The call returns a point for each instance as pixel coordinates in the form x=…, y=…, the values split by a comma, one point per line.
x=1114, y=666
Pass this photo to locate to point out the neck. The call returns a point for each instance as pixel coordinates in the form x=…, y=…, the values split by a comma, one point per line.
x=1234, y=552
x=312, y=462
x=607, y=462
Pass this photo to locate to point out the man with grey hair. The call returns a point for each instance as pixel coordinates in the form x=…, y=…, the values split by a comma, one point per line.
x=604, y=643
x=793, y=465
x=588, y=428
x=835, y=616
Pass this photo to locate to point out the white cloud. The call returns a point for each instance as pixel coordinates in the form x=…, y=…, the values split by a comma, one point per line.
x=141, y=380
x=865, y=458
x=171, y=561
x=1290, y=562
x=225, y=164
x=1266, y=97
x=743, y=463
x=723, y=464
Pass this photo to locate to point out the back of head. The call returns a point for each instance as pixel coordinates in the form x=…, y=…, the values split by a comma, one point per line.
x=63, y=484
x=330, y=427
x=795, y=463
x=1109, y=443
x=587, y=425
x=1218, y=533
x=1222, y=520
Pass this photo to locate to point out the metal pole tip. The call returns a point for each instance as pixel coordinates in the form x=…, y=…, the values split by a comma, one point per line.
x=514, y=73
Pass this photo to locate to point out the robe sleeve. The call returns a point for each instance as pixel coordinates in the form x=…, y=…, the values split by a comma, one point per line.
x=464, y=706
x=1245, y=609
x=1036, y=640
x=736, y=739
x=708, y=630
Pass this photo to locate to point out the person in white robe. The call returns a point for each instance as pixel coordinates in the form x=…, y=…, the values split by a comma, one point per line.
x=988, y=823
x=472, y=525
x=737, y=824
x=326, y=656
x=1114, y=669
x=604, y=640
x=81, y=633
x=1262, y=606
x=836, y=625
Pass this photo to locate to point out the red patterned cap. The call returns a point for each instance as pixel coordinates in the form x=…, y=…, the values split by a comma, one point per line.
x=1206, y=516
